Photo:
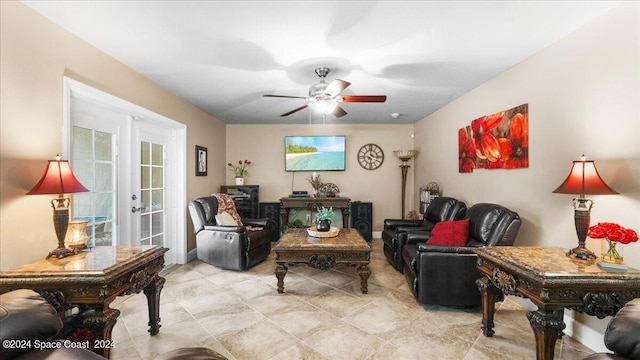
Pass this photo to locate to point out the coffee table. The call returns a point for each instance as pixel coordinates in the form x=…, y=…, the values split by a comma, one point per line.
x=296, y=247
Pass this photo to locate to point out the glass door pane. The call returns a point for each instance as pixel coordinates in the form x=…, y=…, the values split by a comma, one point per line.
x=93, y=162
x=152, y=193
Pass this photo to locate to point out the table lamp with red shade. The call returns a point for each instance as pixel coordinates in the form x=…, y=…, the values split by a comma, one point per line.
x=59, y=179
x=583, y=180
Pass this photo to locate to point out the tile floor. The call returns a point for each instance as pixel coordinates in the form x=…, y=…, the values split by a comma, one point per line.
x=321, y=315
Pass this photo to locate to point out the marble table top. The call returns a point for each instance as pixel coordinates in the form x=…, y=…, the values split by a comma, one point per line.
x=99, y=260
x=300, y=239
x=550, y=262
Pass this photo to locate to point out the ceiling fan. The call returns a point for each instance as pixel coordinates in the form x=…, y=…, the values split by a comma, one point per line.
x=325, y=98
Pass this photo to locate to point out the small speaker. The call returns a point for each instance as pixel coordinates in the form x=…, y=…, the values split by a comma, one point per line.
x=271, y=211
x=362, y=218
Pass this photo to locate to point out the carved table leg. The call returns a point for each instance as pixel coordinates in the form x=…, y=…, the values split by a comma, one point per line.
x=364, y=273
x=152, y=291
x=281, y=271
x=547, y=326
x=489, y=294
x=284, y=217
x=345, y=218
x=101, y=323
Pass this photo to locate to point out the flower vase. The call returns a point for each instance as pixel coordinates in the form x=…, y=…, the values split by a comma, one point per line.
x=239, y=180
x=611, y=251
x=323, y=225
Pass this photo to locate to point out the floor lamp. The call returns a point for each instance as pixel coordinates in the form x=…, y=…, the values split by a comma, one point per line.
x=404, y=156
x=583, y=180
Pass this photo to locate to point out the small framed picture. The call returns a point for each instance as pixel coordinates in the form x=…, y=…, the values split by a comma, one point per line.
x=201, y=161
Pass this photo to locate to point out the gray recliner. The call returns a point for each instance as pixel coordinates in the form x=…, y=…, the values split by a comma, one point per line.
x=228, y=247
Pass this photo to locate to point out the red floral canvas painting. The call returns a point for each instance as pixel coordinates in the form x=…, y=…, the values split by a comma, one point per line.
x=496, y=141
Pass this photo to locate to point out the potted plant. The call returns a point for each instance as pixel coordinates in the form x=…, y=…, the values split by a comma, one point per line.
x=239, y=170
x=323, y=219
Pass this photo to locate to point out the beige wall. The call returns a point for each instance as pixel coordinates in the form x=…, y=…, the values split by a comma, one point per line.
x=264, y=146
x=35, y=54
x=584, y=97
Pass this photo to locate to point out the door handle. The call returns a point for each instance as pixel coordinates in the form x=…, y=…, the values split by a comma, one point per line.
x=135, y=209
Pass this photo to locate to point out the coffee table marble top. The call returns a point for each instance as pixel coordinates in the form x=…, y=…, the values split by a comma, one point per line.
x=299, y=239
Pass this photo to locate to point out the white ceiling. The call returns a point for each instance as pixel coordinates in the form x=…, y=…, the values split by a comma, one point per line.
x=224, y=55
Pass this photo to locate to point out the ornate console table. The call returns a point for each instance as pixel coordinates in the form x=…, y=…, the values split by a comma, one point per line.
x=311, y=203
x=553, y=282
x=91, y=280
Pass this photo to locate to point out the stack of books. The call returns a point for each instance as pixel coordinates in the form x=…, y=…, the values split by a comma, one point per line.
x=607, y=266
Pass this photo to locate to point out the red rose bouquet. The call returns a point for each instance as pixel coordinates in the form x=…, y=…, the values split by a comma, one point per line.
x=614, y=234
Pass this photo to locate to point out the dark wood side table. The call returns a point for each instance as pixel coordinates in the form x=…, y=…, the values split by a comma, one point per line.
x=553, y=282
x=311, y=203
x=92, y=279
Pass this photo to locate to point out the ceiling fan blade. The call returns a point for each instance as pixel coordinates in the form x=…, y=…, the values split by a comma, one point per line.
x=364, y=98
x=295, y=110
x=339, y=112
x=336, y=86
x=285, y=96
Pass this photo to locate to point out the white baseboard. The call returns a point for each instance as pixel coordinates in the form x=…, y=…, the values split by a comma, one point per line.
x=377, y=235
x=586, y=330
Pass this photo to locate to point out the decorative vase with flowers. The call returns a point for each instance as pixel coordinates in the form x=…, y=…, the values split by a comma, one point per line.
x=614, y=237
x=316, y=183
x=240, y=170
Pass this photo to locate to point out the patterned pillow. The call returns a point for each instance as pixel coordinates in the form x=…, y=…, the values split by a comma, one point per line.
x=225, y=219
x=226, y=204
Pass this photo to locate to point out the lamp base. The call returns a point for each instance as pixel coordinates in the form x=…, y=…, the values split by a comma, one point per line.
x=581, y=253
x=62, y=252
x=581, y=218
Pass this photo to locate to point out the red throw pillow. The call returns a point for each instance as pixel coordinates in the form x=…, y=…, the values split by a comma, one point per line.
x=450, y=233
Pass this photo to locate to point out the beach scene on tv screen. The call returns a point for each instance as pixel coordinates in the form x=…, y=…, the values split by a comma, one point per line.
x=314, y=153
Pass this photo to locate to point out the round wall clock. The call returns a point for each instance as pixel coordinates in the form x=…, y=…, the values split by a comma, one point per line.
x=370, y=156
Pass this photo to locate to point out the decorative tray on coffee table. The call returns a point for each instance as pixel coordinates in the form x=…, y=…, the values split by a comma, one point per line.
x=312, y=231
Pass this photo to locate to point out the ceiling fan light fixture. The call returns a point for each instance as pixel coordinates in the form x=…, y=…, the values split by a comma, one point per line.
x=323, y=106
x=318, y=90
x=324, y=98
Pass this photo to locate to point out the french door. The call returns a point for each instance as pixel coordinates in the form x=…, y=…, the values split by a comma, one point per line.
x=129, y=162
x=149, y=185
x=95, y=135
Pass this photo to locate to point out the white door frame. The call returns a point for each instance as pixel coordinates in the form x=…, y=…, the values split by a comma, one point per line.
x=177, y=239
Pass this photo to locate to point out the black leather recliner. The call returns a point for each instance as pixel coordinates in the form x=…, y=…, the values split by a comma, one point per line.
x=394, y=234
x=227, y=247
x=622, y=335
x=446, y=275
x=26, y=318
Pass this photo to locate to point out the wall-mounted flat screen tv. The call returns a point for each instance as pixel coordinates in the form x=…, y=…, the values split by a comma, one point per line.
x=315, y=153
